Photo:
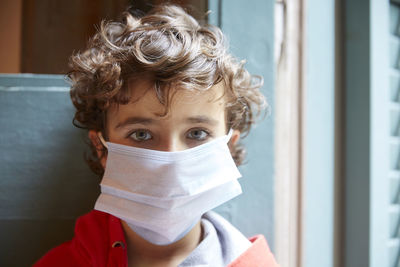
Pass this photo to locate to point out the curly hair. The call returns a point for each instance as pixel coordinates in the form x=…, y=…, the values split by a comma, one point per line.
x=173, y=49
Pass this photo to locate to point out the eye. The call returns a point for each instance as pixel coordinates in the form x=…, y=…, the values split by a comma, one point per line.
x=198, y=134
x=141, y=135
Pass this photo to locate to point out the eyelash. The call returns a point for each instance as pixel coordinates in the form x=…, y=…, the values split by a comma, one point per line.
x=208, y=134
x=130, y=135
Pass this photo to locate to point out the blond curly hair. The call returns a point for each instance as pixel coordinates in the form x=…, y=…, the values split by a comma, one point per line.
x=172, y=48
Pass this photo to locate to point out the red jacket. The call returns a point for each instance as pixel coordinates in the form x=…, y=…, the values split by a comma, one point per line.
x=99, y=241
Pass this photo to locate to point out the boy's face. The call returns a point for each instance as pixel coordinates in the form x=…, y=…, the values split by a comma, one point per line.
x=193, y=118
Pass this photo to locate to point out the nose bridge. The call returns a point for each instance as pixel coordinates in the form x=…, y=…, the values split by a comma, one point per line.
x=172, y=142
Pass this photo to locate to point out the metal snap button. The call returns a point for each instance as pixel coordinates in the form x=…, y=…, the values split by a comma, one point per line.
x=118, y=244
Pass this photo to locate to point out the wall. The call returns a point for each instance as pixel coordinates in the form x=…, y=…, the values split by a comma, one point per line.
x=250, y=30
x=44, y=183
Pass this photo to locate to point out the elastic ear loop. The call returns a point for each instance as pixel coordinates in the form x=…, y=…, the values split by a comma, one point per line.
x=229, y=135
x=100, y=135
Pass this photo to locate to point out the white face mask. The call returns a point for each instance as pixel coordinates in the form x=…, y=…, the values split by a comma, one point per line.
x=162, y=195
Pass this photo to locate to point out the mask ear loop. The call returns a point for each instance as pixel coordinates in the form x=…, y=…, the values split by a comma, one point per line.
x=229, y=135
x=100, y=135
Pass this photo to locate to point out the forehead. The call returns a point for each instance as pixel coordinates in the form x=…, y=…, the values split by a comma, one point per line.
x=144, y=101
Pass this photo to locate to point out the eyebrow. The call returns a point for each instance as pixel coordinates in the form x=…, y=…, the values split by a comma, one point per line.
x=202, y=119
x=143, y=120
x=134, y=120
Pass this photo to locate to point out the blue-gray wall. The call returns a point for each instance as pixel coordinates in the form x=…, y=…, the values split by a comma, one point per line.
x=318, y=134
x=44, y=182
x=249, y=27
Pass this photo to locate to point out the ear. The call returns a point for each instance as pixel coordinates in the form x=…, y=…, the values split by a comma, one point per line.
x=234, y=138
x=94, y=138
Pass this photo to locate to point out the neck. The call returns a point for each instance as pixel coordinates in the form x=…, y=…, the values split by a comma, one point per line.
x=140, y=250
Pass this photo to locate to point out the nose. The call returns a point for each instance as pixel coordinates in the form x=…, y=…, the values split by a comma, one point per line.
x=172, y=144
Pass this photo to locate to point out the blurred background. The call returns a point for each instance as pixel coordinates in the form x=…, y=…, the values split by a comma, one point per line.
x=322, y=177
x=39, y=36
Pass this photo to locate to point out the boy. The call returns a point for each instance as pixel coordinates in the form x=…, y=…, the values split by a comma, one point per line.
x=165, y=105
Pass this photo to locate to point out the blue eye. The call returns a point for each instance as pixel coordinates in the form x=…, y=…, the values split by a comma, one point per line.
x=141, y=135
x=198, y=134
